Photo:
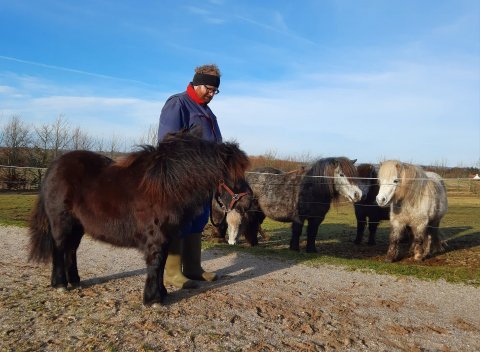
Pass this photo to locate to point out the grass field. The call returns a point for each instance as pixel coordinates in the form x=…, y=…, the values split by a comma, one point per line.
x=460, y=227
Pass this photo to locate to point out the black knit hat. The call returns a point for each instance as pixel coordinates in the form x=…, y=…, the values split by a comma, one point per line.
x=206, y=79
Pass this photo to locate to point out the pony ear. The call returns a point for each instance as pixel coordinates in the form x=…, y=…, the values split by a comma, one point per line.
x=353, y=161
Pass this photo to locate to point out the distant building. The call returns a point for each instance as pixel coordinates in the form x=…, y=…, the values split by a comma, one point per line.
x=476, y=177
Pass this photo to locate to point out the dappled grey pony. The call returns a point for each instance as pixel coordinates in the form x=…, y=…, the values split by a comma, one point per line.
x=299, y=197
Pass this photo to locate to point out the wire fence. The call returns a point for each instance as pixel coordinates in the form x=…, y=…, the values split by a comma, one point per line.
x=456, y=187
x=19, y=179
x=16, y=178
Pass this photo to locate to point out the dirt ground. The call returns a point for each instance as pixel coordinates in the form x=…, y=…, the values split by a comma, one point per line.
x=258, y=304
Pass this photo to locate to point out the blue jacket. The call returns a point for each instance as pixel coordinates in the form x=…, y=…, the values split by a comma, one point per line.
x=180, y=111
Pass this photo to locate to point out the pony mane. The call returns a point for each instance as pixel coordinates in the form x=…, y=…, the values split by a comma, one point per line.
x=414, y=182
x=183, y=166
x=367, y=177
x=127, y=161
x=326, y=167
x=366, y=171
x=186, y=134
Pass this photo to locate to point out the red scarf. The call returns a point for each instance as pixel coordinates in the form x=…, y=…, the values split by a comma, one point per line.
x=191, y=93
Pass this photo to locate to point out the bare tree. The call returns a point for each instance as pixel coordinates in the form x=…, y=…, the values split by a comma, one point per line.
x=81, y=140
x=115, y=146
x=50, y=140
x=61, y=137
x=42, y=144
x=16, y=140
x=150, y=137
x=100, y=143
x=16, y=137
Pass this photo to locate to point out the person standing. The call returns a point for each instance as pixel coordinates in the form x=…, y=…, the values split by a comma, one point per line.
x=184, y=110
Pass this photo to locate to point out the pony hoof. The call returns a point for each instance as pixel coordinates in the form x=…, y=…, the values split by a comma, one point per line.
x=371, y=243
x=311, y=250
x=154, y=304
x=357, y=242
x=61, y=289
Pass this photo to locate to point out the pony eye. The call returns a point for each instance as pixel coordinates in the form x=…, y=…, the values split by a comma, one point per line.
x=342, y=174
x=396, y=181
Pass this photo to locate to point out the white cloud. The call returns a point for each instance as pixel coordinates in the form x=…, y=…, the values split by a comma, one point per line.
x=411, y=112
x=414, y=113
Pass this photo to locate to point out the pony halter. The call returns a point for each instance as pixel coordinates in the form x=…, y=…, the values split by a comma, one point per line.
x=235, y=196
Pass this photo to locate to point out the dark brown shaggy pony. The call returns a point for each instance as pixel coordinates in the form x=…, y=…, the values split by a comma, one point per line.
x=141, y=201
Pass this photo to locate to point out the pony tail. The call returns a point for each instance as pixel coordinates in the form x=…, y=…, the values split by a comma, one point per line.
x=41, y=240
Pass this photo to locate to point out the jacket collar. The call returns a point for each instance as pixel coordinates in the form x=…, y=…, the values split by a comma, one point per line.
x=191, y=93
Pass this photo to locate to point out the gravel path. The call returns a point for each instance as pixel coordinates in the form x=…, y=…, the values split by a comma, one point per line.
x=259, y=304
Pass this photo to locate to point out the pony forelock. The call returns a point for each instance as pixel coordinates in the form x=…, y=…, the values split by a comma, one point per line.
x=326, y=167
x=414, y=182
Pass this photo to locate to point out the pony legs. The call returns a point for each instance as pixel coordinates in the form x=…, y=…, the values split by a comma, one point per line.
x=420, y=244
x=297, y=227
x=312, y=230
x=372, y=231
x=71, y=255
x=253, y=223
x=66, y=233
x=393, y=251
x=59, y=278
x=155, y=291
x=434, y=237
x=427, y=241
x=361, y=224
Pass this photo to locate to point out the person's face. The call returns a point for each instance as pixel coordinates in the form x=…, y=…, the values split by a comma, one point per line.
x=206, y=93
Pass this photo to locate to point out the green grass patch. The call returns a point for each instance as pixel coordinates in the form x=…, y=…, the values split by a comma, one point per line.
x=15, y=208
x=460, y=262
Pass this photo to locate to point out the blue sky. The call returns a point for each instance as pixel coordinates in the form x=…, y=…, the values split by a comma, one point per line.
x=371, y=80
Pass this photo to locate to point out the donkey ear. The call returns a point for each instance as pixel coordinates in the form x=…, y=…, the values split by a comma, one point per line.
x=353, y=161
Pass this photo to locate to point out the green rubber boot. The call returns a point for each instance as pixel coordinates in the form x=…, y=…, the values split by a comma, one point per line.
x=172, y=274
x=191, y=259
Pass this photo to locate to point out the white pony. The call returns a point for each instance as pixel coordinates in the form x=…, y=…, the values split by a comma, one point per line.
x=417, y=199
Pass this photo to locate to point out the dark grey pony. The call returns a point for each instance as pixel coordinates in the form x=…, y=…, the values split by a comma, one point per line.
x=367, y=211
x=296, y=197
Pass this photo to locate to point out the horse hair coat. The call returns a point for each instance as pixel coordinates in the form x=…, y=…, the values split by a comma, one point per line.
x=141, y=201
